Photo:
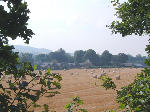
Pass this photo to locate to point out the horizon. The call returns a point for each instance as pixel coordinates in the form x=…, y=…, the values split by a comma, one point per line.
x=77, y=50
x=76, y=24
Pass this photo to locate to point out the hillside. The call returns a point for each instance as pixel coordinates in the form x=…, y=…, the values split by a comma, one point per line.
x=33, y=50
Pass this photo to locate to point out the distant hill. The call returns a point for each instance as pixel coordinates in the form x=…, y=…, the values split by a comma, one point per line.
x=28, y=49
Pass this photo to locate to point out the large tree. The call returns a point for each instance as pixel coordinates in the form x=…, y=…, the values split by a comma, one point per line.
x=106, y=58
x=122, y=58
x=16, y=93
x=79, y=56
x=134, y=18
x=26, y=57
x=13, y=24
x=59, y=55
x=119, y=59
x=92, y=56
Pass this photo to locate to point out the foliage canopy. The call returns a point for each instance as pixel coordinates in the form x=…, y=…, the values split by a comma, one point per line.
x=133, y=17
x=19, y=81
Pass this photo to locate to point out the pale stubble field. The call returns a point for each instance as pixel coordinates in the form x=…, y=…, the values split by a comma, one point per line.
x=79, y=82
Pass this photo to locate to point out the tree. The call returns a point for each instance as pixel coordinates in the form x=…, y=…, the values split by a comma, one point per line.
x=123, y=58
x=13, y=24
x=26, y=57
x=79, y=56
x=69, y=58
x=137, y=59
x=134, y=18
x=92, y=56
x=140, y=59
x=106, y=58
x=59, y=55
x=114, y=60
x=40, y=58
x=119, y=59
x=16, y=93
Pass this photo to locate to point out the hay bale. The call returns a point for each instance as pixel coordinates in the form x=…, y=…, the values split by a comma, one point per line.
x=102, y=74
x=99, y=76
x=94, y=76
x=117, y=77
x=71, y=73
x=77, y=73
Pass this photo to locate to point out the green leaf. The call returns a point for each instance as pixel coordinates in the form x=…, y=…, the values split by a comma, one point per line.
x=35, y=67
x=35, y=105
x=49, y=70
x=83, y=110
x=122, y=106
x=46, y=108
x=69, y=105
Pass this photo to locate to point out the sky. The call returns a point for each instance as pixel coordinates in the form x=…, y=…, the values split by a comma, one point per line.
x=78, y=25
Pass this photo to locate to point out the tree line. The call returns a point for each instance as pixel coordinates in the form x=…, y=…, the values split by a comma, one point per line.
x=89, y=58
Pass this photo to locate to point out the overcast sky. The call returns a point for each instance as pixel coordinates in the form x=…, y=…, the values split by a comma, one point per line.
x=78, y=24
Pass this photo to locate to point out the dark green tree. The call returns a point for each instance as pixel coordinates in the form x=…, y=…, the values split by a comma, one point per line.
x=16, y=93
x=92, y=56
x=59, y=56
x=79, y=56
x=41, y=58
x=105, y=58
x=137, y=59
x=70, y=58
x=140, y=59
x=13, y=24
x=26, y=57
x=122, y=58
x=134, y=18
